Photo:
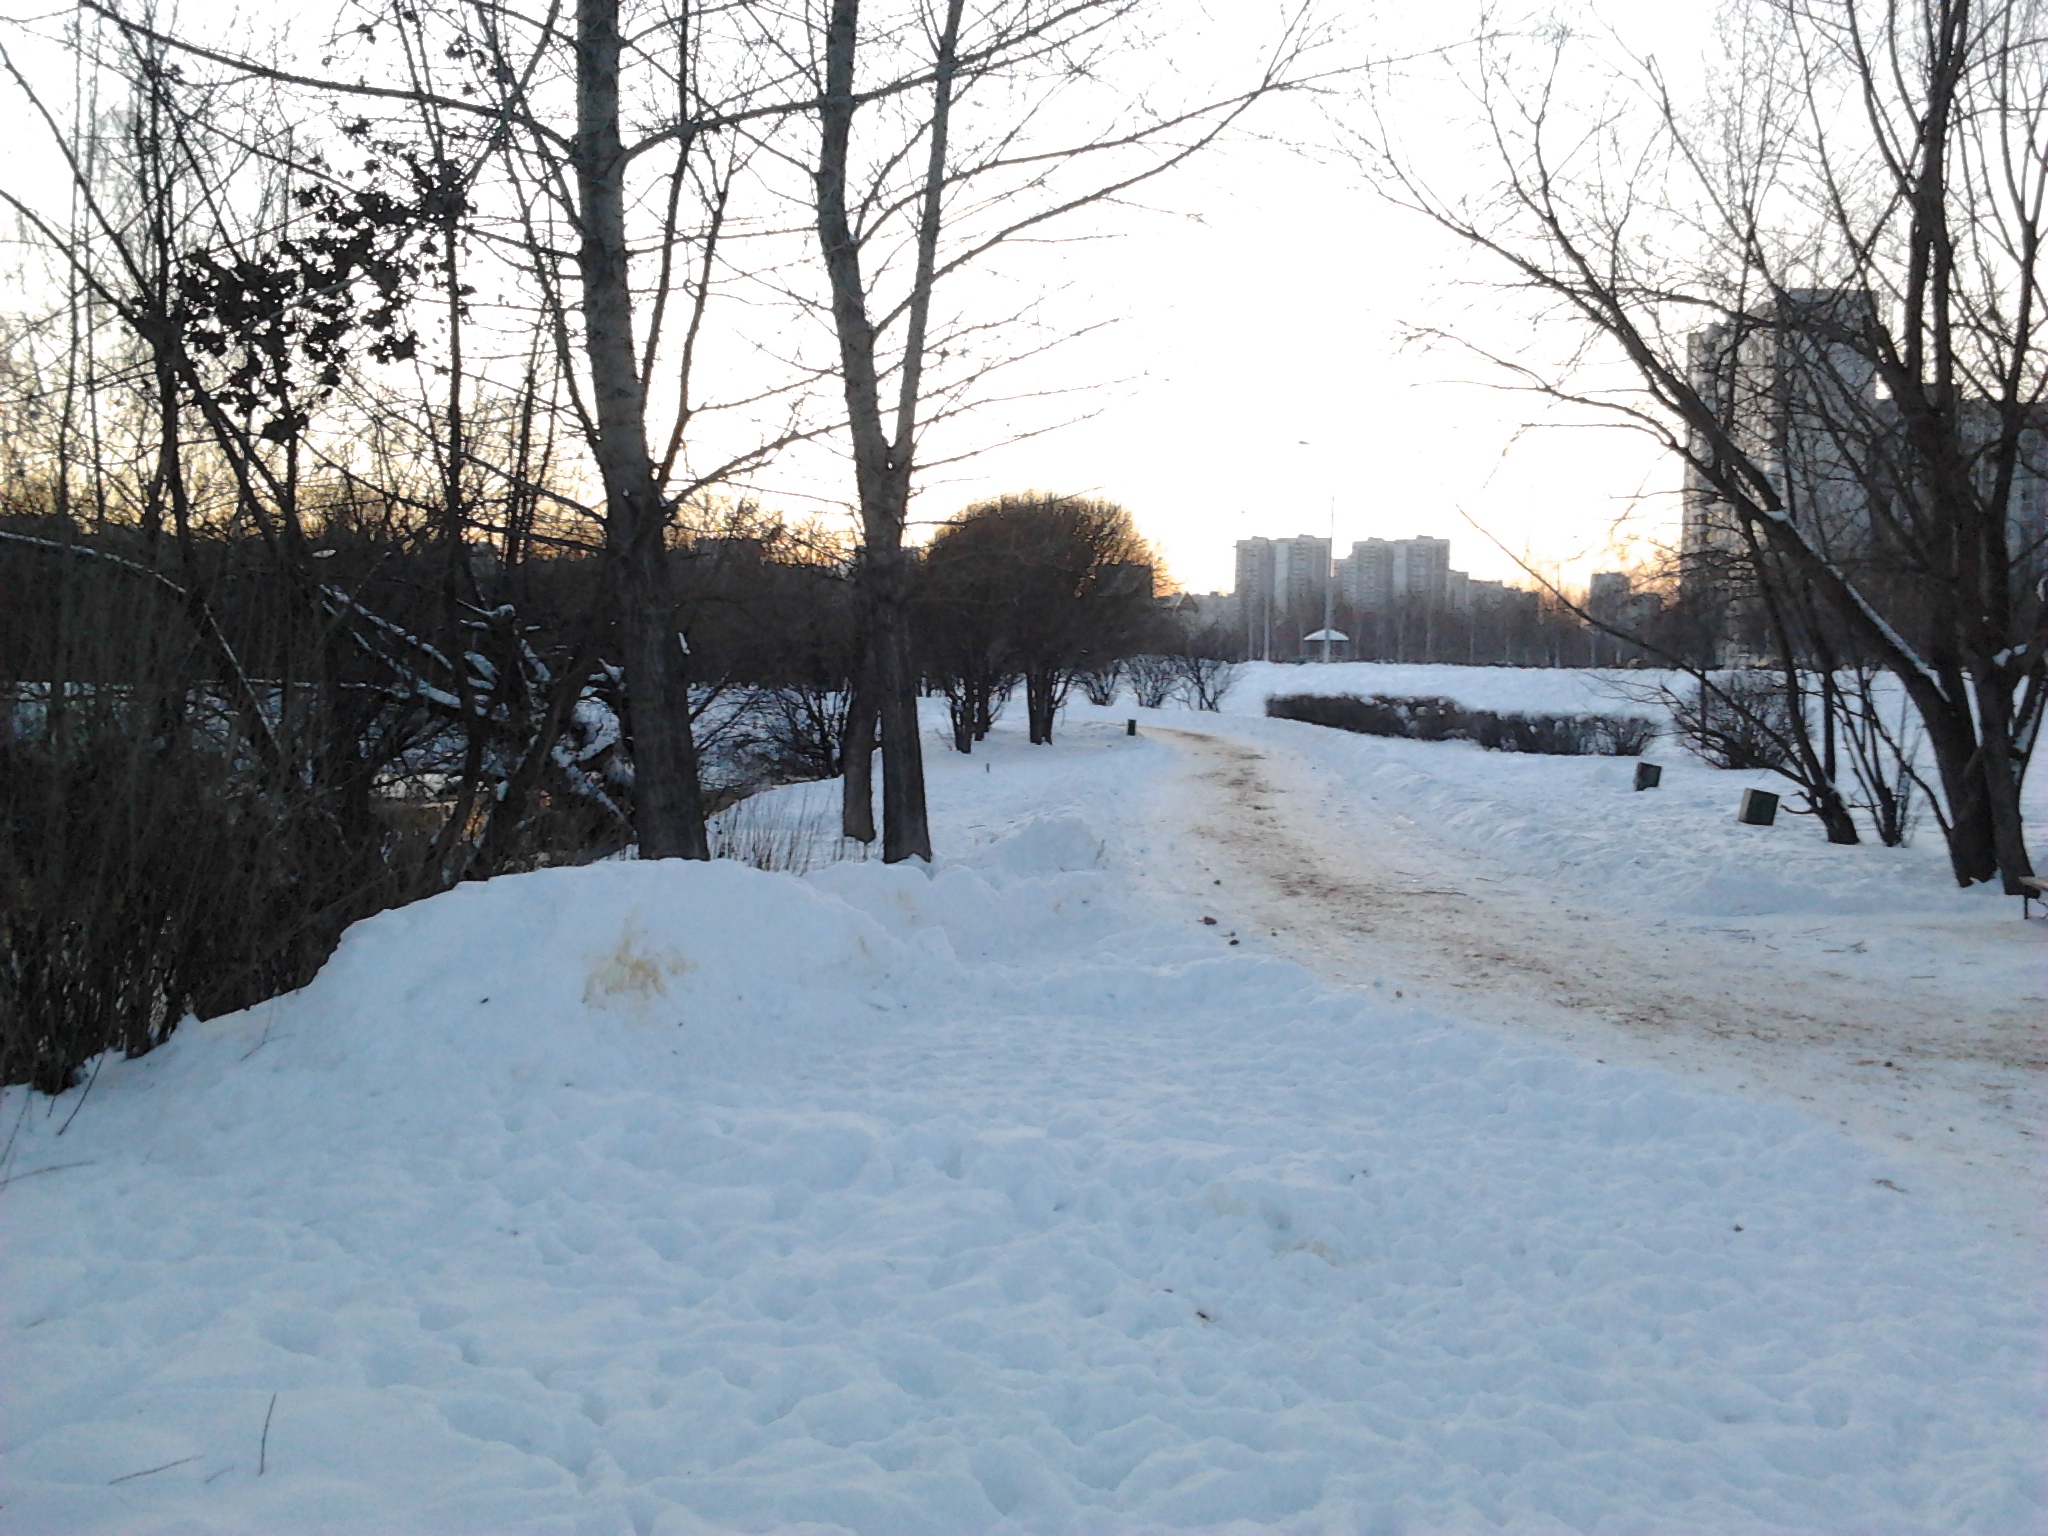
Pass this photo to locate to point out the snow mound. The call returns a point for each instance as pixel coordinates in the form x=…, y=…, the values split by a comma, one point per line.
x=1046, y=845
x=613, y=970
x=679, y=1199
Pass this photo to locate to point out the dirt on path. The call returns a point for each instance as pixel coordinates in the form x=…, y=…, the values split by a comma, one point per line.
x=1374, y=900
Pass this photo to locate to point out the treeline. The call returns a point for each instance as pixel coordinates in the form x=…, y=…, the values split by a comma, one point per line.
x=1515, y=627
x=215, y=760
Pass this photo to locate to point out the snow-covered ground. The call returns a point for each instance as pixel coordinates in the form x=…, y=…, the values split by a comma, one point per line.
x=1543, y=893
x=1020, y=1197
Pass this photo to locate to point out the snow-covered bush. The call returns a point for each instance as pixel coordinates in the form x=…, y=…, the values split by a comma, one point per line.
x=1206, y=680
x=1154, y=679
x=1099, y=685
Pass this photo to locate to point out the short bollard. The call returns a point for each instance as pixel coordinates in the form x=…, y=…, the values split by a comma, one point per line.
x=1130, y=727
x=1648, y=775
x=1759, y=808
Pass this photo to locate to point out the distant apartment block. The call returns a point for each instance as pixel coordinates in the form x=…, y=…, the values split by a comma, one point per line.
x=1381, y=572
x=1796, y=398
x=1802, y=407
x=1612, y=600
x=1283, y=586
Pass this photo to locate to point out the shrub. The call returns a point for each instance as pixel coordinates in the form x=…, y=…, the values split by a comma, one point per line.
x=1624, y=735
x=783, y=835
x=144, y=879
x=1207, y=680
x=1741, y=720
x=1153, y=679
x=1099, y=684
x=1429, y=718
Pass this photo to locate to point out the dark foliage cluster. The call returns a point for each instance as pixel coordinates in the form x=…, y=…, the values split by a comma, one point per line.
x=145, y=876
x=1038, y=589
x=284, y=320
x=211, y=766
x=1439, y=719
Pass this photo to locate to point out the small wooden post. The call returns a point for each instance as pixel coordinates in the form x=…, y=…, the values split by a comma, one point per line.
x=1648, y=775
x=1759, y=808
x=1130, y=727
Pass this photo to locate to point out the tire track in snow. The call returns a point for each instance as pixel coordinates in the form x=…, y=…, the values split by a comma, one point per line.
x=1374, y=899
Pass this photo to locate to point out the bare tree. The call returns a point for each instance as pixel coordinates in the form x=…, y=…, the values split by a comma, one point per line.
x=1826, y=284
x=531, y=112
x=974, y=129
x=1207, y=675
x=235, y=517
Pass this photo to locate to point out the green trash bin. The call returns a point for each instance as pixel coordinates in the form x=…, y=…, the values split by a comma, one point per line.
x=1759, y=808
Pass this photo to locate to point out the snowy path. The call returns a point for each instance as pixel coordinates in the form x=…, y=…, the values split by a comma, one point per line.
x=1947, y=1075
x=672, y=1200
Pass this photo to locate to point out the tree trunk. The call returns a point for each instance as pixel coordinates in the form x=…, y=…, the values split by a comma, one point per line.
x=668, y=807
x=1834, y=816
x=1041, y=704
x=906, y=832
x=857, y=759
x=1958, y=762
x=2008, y=828
x=960, y=710
x=983, y=697
x=882, y=465
x=2001, y=764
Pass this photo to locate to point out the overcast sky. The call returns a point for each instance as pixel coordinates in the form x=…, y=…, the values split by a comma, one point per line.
x=1253, y=379
x=1266, y=379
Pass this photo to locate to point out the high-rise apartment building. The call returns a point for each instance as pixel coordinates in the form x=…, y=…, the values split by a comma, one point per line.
x=1422, y=570
x=1799, y=403
x=1284, y=584
x=1381, y=572
x=1803, y=404
x=1282, y=588
x=1366, y=579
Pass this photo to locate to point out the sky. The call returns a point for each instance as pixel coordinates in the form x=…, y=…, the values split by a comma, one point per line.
x=1254, y=380
x=1243, y=370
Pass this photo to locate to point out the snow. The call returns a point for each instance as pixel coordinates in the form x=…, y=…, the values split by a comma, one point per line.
x=1543, y=893
x=1015, y=1196
x=1530, y=690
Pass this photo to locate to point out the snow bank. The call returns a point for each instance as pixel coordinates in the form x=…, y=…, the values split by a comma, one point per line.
x=658, y=1198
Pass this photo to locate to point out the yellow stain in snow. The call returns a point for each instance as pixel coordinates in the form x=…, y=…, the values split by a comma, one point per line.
x=633, y=975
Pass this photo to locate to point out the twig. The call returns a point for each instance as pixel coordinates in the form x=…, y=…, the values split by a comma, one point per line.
x=85, y=1093
x=16, y=1178
x=148, y=1471
x=263, y=1446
